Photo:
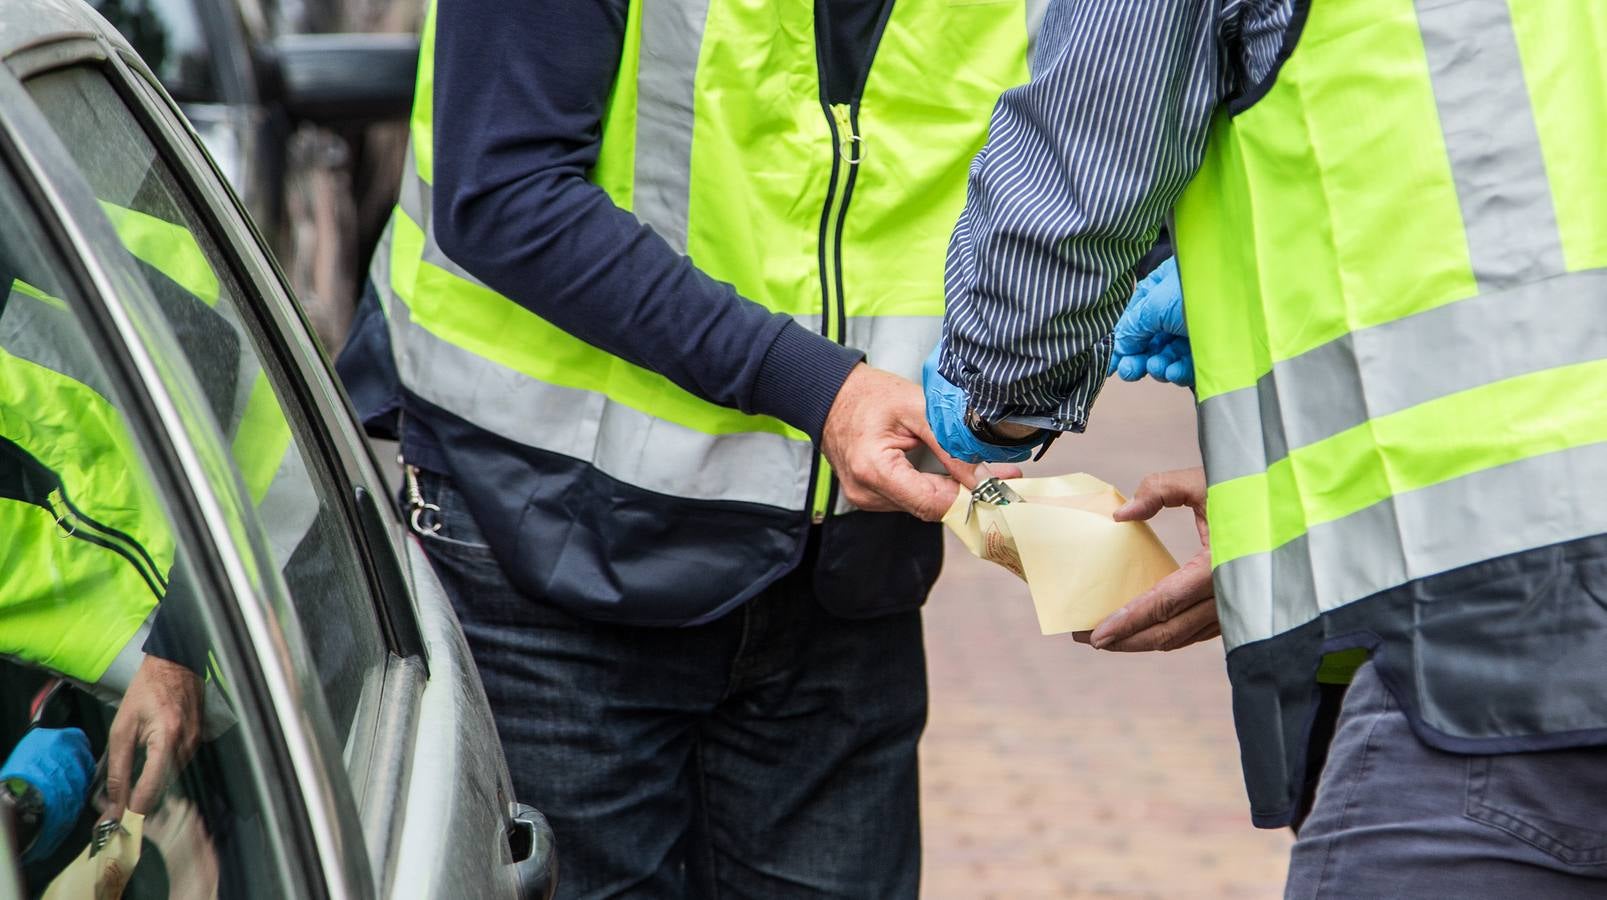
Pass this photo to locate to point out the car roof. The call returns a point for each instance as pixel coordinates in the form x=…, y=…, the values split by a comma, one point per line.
x=27, y=23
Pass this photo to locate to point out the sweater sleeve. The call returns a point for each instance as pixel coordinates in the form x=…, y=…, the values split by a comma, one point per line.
x=520, y=93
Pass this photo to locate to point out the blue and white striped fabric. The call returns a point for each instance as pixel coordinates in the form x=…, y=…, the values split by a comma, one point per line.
x=1081, y=168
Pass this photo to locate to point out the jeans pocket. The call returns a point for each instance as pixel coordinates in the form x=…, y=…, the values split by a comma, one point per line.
x=456, y=529
x=1556, y=801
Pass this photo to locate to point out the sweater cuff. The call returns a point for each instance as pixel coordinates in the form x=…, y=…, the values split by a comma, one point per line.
x=800, y=377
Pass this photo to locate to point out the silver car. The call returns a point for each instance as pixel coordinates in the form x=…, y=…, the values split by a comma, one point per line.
x=182, y=479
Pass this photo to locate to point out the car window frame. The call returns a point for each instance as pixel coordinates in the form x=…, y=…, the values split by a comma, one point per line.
x=267, y=299
x=302, y=364
x=110, y=296
x=357, y=744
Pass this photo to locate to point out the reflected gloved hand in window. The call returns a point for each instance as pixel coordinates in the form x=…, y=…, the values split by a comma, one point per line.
x=47, y=776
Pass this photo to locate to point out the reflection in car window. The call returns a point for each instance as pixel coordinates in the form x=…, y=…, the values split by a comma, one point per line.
x=169, y=36
x=307, y=535
x=93, y=588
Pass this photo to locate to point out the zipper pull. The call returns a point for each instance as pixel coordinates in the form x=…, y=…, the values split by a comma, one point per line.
x=852, y=148
x=63, y=513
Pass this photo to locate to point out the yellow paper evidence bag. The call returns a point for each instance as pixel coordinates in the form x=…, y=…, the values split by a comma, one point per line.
x=1079, y=564
x=103, y=869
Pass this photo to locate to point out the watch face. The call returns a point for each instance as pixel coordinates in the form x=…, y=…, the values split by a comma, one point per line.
x=977, y=426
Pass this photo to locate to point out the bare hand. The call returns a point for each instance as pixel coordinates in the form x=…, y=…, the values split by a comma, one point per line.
x=1181, y=608
x=162, y=713
x=876, y=418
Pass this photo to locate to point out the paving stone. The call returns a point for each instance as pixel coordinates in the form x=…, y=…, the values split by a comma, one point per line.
x=1050, y=770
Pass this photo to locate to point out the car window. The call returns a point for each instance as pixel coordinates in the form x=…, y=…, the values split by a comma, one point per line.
x=273, y=444
x=170, y=36
x=96, y=599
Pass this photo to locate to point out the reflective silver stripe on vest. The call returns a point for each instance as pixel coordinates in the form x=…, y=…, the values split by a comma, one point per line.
x=623, y=443
x=49, y=336
x=1513, y=244
x=1530, y=315
x=416, y=200
x=120, y=673
x=1525, y=505
x=216, y=714
x=1496, y=161
x=289, y=506
x=898, y=344
x=1526, y=329
x=666, y=82
x=1036, y=9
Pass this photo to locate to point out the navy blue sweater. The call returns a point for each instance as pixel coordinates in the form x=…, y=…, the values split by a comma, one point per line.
x=520, y=92
x=521, y=89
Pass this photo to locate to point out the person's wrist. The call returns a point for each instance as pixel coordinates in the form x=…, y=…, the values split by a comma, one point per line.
x=800, y=377
x=1002, y=434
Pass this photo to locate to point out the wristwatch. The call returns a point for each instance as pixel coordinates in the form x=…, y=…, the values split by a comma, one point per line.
x=984, y=431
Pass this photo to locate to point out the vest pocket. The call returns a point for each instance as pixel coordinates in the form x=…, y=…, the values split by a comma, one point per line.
x=1555, y=801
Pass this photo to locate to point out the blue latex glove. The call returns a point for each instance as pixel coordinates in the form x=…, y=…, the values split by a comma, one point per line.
x=55, y=762
x=945, y=412
x=1152, y=335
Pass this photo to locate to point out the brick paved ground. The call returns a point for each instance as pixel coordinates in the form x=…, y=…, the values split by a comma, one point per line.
x=1050, y=770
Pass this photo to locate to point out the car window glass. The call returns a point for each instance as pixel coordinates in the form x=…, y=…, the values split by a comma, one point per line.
x=169, y=36
x=98, y=610
x=272, y=445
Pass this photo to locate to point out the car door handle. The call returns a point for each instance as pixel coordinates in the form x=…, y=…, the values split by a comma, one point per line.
x=535, y=853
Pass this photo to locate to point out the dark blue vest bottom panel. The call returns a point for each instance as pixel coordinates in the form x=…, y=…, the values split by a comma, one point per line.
x=570, y=535
x=1503, y=656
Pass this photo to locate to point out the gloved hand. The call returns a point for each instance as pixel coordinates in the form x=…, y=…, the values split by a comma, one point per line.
x=1152, y=334
x=56, y=763
x=945, y=412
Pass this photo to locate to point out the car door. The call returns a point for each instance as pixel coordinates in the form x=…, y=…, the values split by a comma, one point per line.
x=388, y=736
x=118, y=526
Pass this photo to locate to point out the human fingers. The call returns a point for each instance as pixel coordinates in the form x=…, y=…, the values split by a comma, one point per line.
x=1181, y=372
x=1159, y=490
x=120, y=741
x=1159, y=360
x=921, y=494
x=882, y=479
x=1166, y=600
x=1130, y=368
x=1127, y=340
x=968, y=474
x=982, y=471
x=1188, y=627
x=1209, y=632
x=153, y=777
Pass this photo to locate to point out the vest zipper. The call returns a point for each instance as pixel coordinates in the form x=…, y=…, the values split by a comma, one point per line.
x=845, y=150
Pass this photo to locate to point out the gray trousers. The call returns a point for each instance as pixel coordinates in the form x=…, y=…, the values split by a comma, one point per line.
x=1397, y=818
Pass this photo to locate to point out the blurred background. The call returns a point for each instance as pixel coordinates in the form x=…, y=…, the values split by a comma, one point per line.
x=1050, y=770
x=302, y=104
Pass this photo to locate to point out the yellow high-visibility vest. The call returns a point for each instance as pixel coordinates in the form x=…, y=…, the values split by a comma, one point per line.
x=1395, y=265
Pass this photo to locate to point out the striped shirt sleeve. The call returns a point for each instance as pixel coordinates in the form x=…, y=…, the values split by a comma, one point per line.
x=1081, y=168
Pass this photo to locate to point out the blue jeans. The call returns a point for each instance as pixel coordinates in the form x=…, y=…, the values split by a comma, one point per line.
x=1397, y=818
x=769, y=754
